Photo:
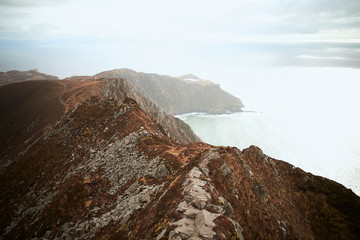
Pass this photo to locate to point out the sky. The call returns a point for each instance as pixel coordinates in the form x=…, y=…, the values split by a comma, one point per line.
x=84, y=37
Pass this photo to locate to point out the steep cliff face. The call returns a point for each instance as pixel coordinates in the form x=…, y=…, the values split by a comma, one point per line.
x=171, y=126
x=106, y=170
x=18, y=76
x=27, y=108
x=178, y=95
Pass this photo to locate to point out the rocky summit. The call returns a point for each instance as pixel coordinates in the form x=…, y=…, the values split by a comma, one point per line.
x=110, y=165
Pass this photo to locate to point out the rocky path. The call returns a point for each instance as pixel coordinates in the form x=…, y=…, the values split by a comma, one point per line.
x=198, y=208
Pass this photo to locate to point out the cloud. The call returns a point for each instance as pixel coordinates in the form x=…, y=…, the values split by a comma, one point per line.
x=163, y=32
x=325, y=58
x=179, y=19
x=29, y=3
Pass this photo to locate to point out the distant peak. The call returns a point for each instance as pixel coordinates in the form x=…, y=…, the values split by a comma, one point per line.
x=194, y=79
x=189, y=76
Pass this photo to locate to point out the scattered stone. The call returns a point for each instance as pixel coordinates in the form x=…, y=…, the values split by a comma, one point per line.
x=205, y=171
x=191, y=212
x=229, y=210
x=199, y=202
x=247, y=170
x=212, y=155
x=262, y=156
x=145, y=198
x=162, y=171
x=161, y=234
x=225, y=170
x=306, y=178
x=282, y=226
x=262, y=192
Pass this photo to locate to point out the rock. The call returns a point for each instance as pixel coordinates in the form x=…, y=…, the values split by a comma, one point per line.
x=204, y=222
x=205, y=171
x=182, y=206
x=262, y=156
x=191, y=212
x=199, y=202
x=306, y=178
x=247, y=170
x=133, y=189
x=222, y=201
x=262, y=193
x=229, y=210
x=161, y=234
x=145, y=198
x=217, y=208
x=185, y=229
x=238, y=229
x=225, y=170
x=194, y=238
x=282, y=226
x=212, y=156
x=162, y=171
x=204, y=217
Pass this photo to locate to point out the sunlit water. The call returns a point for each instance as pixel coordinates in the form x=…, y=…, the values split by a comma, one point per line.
x=313, y=124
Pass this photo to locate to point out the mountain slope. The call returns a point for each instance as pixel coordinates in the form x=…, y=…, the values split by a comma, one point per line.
x=176, y=95
x=107, y=171
x=27, y=108
x=18, y=76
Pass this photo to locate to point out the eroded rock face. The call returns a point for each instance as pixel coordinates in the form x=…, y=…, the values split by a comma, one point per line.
x=107, y=170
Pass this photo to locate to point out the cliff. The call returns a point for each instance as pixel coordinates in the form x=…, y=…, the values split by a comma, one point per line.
x=179, y=95
x=107, y=170
x=18, y=76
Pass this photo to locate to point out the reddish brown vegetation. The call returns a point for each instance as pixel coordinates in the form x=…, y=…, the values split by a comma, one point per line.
x=269, y=198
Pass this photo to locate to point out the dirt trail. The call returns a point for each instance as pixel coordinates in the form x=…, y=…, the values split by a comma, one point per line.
x=60, y=98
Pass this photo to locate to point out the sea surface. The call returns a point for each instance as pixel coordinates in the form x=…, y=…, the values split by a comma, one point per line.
x=311, y=121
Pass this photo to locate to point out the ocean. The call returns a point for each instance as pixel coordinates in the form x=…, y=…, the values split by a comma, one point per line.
x=309, y=117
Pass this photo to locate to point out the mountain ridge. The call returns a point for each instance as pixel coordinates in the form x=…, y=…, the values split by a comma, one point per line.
x=94, y=159
x=106, y=170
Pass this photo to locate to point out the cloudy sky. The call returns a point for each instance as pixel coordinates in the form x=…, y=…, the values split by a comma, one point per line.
x=79, y=37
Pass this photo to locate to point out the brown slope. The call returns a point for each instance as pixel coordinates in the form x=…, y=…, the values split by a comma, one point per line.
x=27, y=108
x=176, y=95
x=106, y=171
x=19, y=76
